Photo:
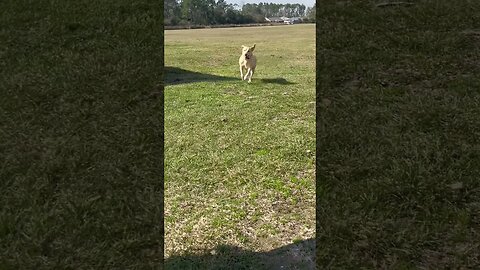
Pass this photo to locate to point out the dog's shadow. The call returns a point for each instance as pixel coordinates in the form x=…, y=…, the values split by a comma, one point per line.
x=174, y=75
x=276, y=81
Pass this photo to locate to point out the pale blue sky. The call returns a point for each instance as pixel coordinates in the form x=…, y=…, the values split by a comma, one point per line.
x=307, y=3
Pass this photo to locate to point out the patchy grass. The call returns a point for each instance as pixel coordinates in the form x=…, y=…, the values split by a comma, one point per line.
x=80, y=135
x=239, y=157
x=398, y=135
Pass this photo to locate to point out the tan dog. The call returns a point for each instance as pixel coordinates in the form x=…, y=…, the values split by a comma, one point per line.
x=248, y=61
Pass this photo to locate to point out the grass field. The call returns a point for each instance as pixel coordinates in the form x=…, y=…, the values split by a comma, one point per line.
x=398, y=135
x=239, y=157
x=81, y=135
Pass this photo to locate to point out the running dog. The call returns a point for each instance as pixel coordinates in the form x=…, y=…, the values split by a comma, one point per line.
x=248, y=61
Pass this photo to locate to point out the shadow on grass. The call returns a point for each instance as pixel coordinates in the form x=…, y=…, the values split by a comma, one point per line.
x=294, y=256
x=174, y=75
x=277, y=81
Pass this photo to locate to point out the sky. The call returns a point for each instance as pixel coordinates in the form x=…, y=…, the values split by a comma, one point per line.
x=307, y=3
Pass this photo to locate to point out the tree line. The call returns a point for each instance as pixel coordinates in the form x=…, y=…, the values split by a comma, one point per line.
x=211, y=12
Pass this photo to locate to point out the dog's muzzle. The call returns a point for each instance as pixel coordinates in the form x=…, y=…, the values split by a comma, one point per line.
x=246, y=56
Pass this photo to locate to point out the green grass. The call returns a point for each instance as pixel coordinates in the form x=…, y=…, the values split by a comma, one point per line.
x=80, y=135
x=239, y=157
x=398, y=135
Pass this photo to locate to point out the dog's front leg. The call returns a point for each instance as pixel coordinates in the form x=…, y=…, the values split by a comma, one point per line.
x=241, y=72
x=246, y=74
x=251, y=75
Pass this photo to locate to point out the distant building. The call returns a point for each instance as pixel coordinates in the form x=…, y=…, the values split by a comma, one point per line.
x=292, y=20
x=284, y=20
x=274, y=19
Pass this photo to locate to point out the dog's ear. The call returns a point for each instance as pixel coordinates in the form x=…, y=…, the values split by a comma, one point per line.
x=253, y=48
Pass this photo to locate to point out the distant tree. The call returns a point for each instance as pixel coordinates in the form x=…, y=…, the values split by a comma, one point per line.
x=198, y=11
x=208, y=12
x=171, y=12
x=231, y=16
x=220, y=11
x=187, y=11
x=253, y=11
x=311, y=14
x=301, y=10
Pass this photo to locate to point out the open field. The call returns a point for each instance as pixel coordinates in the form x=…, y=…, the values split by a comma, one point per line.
x=80, y=135
x=398, y=135
x=239, y=157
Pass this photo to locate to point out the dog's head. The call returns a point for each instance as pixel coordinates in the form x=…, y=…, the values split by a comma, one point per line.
x=248, y=51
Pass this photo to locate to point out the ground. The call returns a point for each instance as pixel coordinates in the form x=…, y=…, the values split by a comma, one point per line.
x=80, y=135
x=398, y=135
x=239, y=157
